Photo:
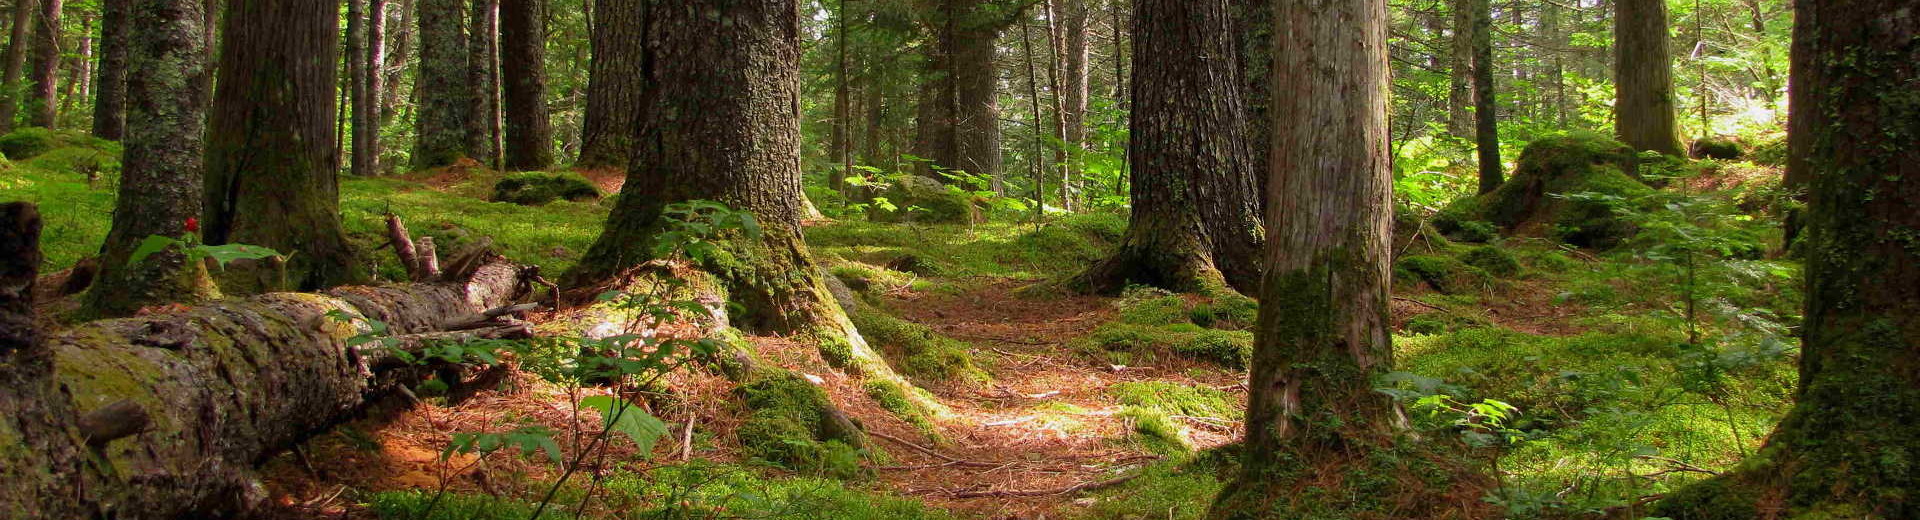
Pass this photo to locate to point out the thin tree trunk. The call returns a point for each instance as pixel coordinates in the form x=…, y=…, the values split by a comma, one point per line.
x=358, y=72
x=482, y=29
x=1074, y=17
x=1036, y=161
x=1846, y=446
x=1055, y=48
x=1486, y=121
x=17, y=44
x=1643, y=77
x=377, y=85
x=442, y=86
x=524, y=72
x=271, y=173
x=79, y=69
x=1460, y=67
x=840, y=142
x=614, y=84
x=396, y=61
x=1196, y=223
x=161, y=175
x=110, y=89
x=43, y=102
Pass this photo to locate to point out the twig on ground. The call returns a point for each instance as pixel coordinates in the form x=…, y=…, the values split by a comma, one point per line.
x=1420, y=303
x=1012, y=493
x=935, y=454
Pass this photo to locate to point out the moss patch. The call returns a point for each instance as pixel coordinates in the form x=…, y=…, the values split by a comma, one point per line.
x=1445, y=274
x=915, y=350
x=793, y=423
x=535, y=189
x=1568, y=185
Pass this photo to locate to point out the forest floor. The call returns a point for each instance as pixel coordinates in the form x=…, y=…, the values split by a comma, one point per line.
x=1094, y=407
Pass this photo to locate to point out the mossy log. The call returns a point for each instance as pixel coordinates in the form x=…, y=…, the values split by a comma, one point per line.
x=166, y=415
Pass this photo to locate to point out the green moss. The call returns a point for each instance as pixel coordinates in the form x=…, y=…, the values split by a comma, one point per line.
x=1402, y=478
x=413, y=505
x=1152, y=407
x=1233, y=312
x=923, y=199
x=30, y=142
x=1153, y=307
x=793, y=423
x=1716, y=148
x=535, y=189
x=703, y=490
x=894, y=400
x=1443, y=273
x=1567, y=184
x=1491, y=259
x=915, y=350
x=1443, y=322
x=1172, y=490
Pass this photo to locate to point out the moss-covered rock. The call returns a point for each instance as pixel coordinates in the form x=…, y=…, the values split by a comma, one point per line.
x=1565, y=186
x=27, y=143
x=915, y=198
x=915, y=350
x=1724, y=148
x=535, y=189
x=793, y=423
x=1445, y=274
x=1492, y=259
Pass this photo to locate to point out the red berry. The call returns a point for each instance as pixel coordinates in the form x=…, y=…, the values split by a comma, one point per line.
x=193, y=224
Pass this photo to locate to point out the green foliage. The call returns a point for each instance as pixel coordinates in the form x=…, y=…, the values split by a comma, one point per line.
x=1717, y=148
x=705, y=491
x=791, y=422
x=535, y=189
x=1445, y=274
x=1492, y=259
x=190, y=245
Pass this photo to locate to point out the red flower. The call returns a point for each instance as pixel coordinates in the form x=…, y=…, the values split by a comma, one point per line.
x=193, y=224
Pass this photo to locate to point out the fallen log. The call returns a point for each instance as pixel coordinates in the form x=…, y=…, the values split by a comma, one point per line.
x=166, y=415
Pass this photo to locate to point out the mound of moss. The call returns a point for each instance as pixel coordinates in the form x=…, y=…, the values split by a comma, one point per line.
x=915, y=350
x=1445, y=274
x=793, y=423
x=1722, y=148
x=924, y=199
x=1156, y=408
x=27, y=143
x=536, y=189
x=1566, y=185
x=1492, y=259
x=1153, y=322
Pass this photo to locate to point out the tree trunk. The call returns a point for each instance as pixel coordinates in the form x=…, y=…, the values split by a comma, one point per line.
x=110, y=87
x=396, y=61
x=1643, y=77
x=482, y=33
x=523, y=66
x=959, y=120
x=1196, y=219
x=79, y=68
x=1845, y=449
x=45, y=66
x=614, y=84
x=17, y=44
x=1253, y=25
x=376, y=82
x=1460, y=98
x=441, y=85
x=357, y=72
x=1075, y=28
x=160, y=175
x=1486, y=134
x=210, y=392
x=840, y=139
x=271, y=171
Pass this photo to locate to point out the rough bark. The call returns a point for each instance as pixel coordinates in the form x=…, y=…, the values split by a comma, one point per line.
x=221, y=387
x=110, y=87
x=614, y=84
x=161, y=177
x=483, y=31
x=1643, y=77
x=1845, y=449
x=1196, y=223
x=359, y=70
x=1460, y=68
x=376, y=80
x=524, y=71
x=396, y=63
x=44, y=67
x=271, y=169
x=1254, y=29
x=1486, y=123
x=959, y=114
x=1074, y=26
x=441, y=84
x=17, y=44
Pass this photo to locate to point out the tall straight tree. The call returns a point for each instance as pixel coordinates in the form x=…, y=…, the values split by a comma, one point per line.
x=110, y=88
x=18, y=42
x=523, y=68
x=614, y=83
x=1460, y=67
x=959, y=114
x=1486, y=123
x=1847, y=447
x=376, y=77
x=441, y=84
x=1196, y=223
x=1643, y=77
x=1254, y=29
x=483, y=33
x=44, y=68
x=271, y=170
x=1075, y=26
x=357, y=73
x=160, y=176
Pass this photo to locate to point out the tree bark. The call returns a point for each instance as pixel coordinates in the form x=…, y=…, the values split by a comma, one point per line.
x=271, y=171
x=614, y=85
x=1643, y=77
x=524, y=72
x=1460, y=98
x=959, y=120
x=161, y=176
x=376, y=81
x=1196, y=222
x=441, y=84
x=1486, y=121
x=483, y=30
x=1254, y=28
x=840, y=138
x=396, y=61
x=357, y=72
x=1844, y=450
x=17, y=44
x=1074, y=21
x=44, y=99
x=110, y=87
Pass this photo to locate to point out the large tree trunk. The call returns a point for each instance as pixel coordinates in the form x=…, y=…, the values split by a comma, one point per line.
x=441, y=85
x=1643, y=77
x=271, y=171
x=17, y=44
x=1486, y=123
x=614, y=83
x=1846, y=448
x=179, y=407
x=1074, y=22
x=1253, y=26
x=483, y=24
x=110, y=88
x=1460, y=67
x=43, y=93
x=524, y=70
x=161, y=177
x=1196, y=217
x=377, y=85
x=959, y=119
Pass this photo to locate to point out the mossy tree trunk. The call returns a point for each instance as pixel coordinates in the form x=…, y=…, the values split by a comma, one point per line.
x=272, y=175
x=1486, y=122
x=160, y=175
x=523, y=40
x=614, y=84
x=17, y=44
x=110, y=86
x=44, y=89
x=1075, y=19
x=1323, y=331
x=1195, y=223
x=1643, y=77
x=1848, y=446
x=441, y=84
x=42, y=465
